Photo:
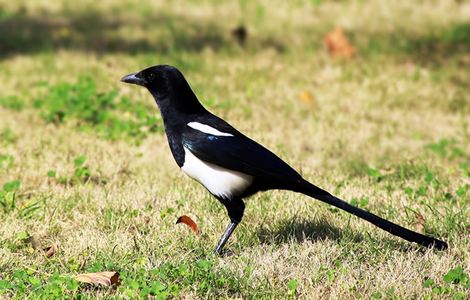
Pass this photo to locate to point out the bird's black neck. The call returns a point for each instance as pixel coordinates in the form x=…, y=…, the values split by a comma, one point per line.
x=178, y=108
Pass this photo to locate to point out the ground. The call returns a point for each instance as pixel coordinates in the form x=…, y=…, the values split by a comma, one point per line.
x=85, y=166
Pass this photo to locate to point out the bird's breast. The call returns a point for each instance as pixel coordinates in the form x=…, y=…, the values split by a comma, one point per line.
x=219, y=181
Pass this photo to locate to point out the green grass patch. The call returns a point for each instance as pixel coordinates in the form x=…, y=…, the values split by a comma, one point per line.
x=107, y=114
x=201, y=277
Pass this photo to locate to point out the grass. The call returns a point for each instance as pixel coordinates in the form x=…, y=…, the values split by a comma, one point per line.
x=85, y=166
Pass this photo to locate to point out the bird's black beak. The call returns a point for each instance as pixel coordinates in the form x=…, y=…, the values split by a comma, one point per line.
x=134, y=78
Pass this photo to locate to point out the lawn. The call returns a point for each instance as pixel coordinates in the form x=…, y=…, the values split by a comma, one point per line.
x=85, y=167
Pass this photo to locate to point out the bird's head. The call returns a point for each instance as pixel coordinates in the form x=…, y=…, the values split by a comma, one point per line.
x=168, y=86
x=157, y=79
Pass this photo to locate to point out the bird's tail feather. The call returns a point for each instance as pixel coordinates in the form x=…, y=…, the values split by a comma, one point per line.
x=311, y=190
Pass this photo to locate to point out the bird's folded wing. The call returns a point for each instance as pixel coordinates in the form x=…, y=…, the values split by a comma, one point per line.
x=238, y=153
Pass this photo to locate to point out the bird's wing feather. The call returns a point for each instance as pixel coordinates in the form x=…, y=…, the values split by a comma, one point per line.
x=238, y=153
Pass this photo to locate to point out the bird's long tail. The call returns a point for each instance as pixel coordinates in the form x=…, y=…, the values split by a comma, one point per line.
x=311, y=190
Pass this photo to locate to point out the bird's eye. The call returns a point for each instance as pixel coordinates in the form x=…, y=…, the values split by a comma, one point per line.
x=151, y=76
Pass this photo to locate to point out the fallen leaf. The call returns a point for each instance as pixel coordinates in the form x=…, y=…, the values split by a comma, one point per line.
x=50, y=250
x=106, y=278
x=306, y=97
x=189, y=222
x=387, y=171
x=338, y=45
x=419, y=222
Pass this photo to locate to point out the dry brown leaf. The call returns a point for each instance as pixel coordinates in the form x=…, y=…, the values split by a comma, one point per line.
x=50, y=250
x=338, y=45
x=419, y=222
x=189, y=222
x=36, y=245
x=106, y=278
x=306, y=97
x=387, y=171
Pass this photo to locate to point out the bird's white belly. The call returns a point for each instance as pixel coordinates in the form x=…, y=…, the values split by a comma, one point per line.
x=219, y=181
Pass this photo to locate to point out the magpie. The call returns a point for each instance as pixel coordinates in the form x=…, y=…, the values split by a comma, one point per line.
x=227, y=163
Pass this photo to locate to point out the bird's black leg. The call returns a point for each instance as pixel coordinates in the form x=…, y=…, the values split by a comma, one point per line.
x=228, y=232
x=235, y=209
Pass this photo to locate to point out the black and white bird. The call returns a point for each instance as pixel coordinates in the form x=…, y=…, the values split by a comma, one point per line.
x=228, y=164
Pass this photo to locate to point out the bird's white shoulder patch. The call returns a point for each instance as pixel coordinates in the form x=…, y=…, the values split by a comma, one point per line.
x=219, y=181
x=207, y=129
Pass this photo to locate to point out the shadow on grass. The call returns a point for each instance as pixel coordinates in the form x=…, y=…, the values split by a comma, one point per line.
x=300, y=230
x=95, y=32
x=157, y=32
x=434, y=47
